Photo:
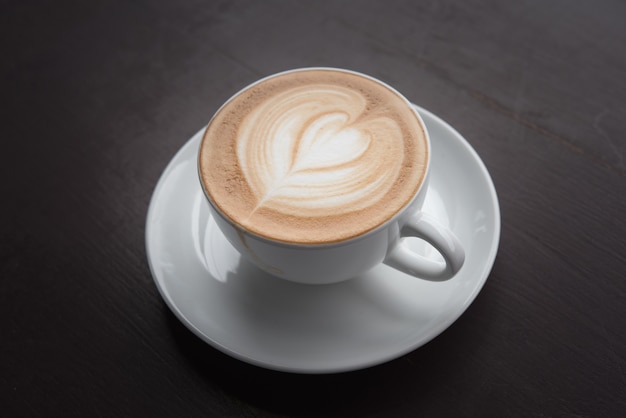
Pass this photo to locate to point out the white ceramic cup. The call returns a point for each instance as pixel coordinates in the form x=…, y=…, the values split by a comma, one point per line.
x=338, y=261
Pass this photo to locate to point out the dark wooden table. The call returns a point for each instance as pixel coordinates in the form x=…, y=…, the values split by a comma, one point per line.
x=97, y=97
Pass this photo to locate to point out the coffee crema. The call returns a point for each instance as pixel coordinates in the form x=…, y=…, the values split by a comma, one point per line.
x=313, y=156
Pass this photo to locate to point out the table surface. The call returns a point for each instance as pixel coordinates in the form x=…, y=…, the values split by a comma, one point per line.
x=98, y=96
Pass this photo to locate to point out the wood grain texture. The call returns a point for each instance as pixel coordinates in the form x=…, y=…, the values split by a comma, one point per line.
x=96, y=98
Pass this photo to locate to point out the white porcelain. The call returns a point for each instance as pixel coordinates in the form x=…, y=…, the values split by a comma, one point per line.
x=249, y=314
x=332, y=263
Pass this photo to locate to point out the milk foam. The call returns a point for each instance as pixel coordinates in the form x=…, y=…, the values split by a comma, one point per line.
x=314, y=148
x=313, y=156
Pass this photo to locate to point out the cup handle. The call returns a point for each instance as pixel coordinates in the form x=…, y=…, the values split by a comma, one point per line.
x=420, y=225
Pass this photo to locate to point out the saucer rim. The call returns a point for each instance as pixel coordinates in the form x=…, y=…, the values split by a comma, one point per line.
x=487, y=266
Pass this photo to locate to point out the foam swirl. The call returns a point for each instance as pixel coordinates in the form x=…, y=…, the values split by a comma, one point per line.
x=318, y=149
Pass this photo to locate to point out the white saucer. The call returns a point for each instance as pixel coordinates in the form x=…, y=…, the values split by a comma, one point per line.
x=280, y=325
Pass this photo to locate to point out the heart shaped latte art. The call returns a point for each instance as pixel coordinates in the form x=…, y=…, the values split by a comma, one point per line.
x=316, y=151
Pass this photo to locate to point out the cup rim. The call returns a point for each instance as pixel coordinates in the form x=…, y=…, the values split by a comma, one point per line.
x=364, y=235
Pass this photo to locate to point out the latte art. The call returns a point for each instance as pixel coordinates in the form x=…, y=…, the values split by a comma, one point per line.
x=313, y=156
x=315, y=148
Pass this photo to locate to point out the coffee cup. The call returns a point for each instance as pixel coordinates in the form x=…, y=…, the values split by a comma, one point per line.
x=317, y=175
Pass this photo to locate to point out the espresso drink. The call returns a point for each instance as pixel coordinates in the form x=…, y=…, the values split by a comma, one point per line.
x=313, y=156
